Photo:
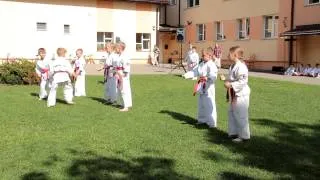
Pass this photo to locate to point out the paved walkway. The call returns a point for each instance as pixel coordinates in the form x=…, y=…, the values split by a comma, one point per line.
x=167, y=68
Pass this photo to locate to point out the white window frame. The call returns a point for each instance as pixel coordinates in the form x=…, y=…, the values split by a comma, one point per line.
x=201, y=36
x=309, y=3
x=142, y=40
x=219, y=35
x=274, y=27
x=106, y=39
x=66, y=29
x=45, y=26
x=193, y=3
x=243, y=28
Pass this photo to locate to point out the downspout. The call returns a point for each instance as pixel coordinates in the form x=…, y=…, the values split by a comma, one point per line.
x=165, y=14
x=291, y=28
x=179, y=13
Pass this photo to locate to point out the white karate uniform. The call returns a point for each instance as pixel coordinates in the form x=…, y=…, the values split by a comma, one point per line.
x=42, y=70
x=313, y=72
x=110, y=86
x=155, y=55
x=192, y=60
x=122, y=61
x=60, y=71
x=307, y=71
x=217, y=61
x=238, y=110
x=290, y=71
x=207, y=112
x=80, y=84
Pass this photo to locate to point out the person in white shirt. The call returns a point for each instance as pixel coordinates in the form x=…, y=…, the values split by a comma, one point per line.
x=317, y=72
x=314, y=71
x=110, y=82
x=79, y=68
x=60, y=73
x=238, y=96
x=290, y=71
x=299, y=70
x=192, y=58
x=207, y=72
x=42, y=70
x=155, y=55
x=122, y=67
x=307, y=70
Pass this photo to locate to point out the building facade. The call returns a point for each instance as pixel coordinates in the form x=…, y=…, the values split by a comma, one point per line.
x=300, y=31
x=30, y=24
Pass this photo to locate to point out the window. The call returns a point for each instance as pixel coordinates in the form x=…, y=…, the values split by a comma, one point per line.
x=311, y=2
x=201, y=32
x=243, y=28
x=66, y=29
x=271, y=26
x=41, y=26
x=172, y=2
x=192, y=3
x=103, y=38
x=219, y=29
x=143, y=41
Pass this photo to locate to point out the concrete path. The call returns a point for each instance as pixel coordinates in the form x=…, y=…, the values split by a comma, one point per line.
x=167, y=69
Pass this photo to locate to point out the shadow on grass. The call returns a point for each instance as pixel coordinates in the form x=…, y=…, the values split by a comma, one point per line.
x=184, y=119
x=35, y=176
x=233, y=176
x=99, y=100
x=287, y=152
x=45, y=99
x=34, y=94
x=89, y=165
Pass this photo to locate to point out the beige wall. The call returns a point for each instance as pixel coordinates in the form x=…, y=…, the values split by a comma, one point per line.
x=228, y=12
x=306, y=14
x=308, y=50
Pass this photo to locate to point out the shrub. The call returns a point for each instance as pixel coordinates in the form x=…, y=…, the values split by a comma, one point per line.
x=18, y=72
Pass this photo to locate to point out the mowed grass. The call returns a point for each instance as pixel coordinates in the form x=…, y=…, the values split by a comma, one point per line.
x=158, y=139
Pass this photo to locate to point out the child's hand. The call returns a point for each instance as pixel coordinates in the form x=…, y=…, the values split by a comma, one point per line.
x=227, y=84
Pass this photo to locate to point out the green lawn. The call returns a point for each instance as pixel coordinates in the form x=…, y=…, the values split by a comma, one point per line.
x=158, y=139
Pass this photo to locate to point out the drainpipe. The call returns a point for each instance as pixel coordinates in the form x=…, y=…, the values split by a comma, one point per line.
x=165, y=14
x=291, y=28
x=179, y=13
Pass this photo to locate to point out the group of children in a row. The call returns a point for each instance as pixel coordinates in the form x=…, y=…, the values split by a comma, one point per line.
x=238, y=92
x=300, y=70
x=61, y=72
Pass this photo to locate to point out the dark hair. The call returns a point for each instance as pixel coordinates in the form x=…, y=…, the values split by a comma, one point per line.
x=41, y=50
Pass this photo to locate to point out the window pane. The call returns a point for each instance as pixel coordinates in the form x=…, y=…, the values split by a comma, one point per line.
x=100, y=46
x=108, y=35
x=248, y=26
x=66, y=29
x=146, y=36
x=139, y=47
x=41, y=26
x=267, y=34
x=99, y=36
x=197, y=2
x=107, y=40
x=190, y=3
x=146, y=44
x=218, y=27
x=240, y=24
x=138, y=38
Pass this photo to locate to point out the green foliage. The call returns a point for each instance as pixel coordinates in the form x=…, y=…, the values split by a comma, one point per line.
x=18, y=73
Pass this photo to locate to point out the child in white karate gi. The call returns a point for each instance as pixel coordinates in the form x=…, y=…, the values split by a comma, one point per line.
x=207, y=72
x=42, y=70
x=238, y=96
x=79, y=69
x=122, y=67
x=60, y=73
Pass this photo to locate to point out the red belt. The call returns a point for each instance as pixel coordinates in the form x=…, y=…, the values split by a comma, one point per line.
x=119, y=68
x=196, y=86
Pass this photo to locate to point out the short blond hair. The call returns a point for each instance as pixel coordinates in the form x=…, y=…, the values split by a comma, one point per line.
x=237, y=49
x=61, y=51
